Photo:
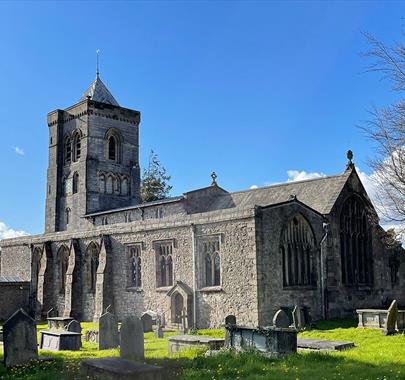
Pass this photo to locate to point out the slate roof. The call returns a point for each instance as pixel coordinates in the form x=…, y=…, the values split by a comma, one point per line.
x=320, y=194
x=10, y=279
x=99, y=92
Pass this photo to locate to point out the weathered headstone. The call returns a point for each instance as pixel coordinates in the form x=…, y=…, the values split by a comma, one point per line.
x=184, y=322
x=108, y=332
x=19, y=339
x=132, y=344
x=146, y=322
x=230, y=320
x=52, y=313
x=74, y=326
x=389, y=327
x=159, y=332
x=280, y=319
x=298, y=318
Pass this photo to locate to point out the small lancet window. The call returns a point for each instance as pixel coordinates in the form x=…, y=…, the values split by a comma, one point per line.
x=112, y=148
x=77, y=147
x=75, y=183
x=135, y=267
x=212, y=264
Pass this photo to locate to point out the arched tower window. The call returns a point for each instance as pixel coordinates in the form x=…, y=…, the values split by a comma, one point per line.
x=63, y=259
x=297, y=246
x=109, y=185
x=68, y=150
x=355, y=243
x=101, y=183
x=77, y=145
x=113, y=142
x=75, y=186
x=124, y=187
x=92, y=261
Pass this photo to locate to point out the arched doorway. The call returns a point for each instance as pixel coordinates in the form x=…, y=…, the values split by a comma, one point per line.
x=177, y=308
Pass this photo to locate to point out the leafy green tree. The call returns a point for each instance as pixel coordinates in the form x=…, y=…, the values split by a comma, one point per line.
x=155, y=181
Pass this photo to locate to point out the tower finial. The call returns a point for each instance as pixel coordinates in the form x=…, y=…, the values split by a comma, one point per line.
x=98, y=71
x=350, y=164
x=214, y=179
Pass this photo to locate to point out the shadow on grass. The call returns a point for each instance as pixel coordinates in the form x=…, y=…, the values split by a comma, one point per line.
x=336, y=324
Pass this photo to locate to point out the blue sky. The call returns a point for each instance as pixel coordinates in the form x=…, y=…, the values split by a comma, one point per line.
x=251, y=90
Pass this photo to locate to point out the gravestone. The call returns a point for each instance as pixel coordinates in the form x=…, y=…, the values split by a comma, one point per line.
x=298, y=318
x=280, y=319
x=184, y=322
x=19, y=339
x=52, y=313
x=146, y=322
x=389, y=327
x=74, y=326
x=132, y=344
x=108, y=332
x=230, y=320
x=159, y=332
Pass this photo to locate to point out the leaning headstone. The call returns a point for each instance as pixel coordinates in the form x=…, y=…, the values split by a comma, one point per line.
x=146, y=322
x=230, y=320
x=280, y=319
x=52, y=313
x=19, y=339
x=108, y=332
x=389, y=327
x=159, y=332
x=74, y=326
x=132, y=344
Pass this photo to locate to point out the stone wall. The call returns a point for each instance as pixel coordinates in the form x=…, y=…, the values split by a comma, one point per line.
x=13, y=296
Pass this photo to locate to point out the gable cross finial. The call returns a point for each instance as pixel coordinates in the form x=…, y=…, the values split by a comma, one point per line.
x=98, y=68
x=214, y=179
x=350, y=164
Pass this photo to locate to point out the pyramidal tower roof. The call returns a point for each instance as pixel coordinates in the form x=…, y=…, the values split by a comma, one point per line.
x=99, y=92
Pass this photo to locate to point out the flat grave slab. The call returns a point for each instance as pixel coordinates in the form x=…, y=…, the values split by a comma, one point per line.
x=323, y=345
x=181, y=342
x=120, y=369
x=60, y=340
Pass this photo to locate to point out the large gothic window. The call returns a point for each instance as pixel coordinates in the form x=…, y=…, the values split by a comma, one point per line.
x=212, y=263
x=355, y=243
x=92, y=260
x=164, y=260
x=135, y=276
x=297, y=250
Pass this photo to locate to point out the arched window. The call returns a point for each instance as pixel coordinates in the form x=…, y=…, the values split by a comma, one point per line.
x=101, y=183
x=355, y=243
x=109, y=185
x=117, y=185
x=63, y=258
x=75, y=186
x=113, y=143
x=67, y=215
x=135, y=278
x=77, y=145
x=92, y=259
x=297, y=248
x=68, y=150
x=112, y=148
x=124, y=187
x=164, y=259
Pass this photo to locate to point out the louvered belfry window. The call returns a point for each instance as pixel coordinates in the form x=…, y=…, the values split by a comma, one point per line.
x=355, y=243
x=297, y=249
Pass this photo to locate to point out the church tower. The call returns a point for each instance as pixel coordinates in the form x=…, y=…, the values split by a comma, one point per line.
x=93, y=159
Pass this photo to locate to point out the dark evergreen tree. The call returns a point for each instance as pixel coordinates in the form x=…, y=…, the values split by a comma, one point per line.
x=155, y=181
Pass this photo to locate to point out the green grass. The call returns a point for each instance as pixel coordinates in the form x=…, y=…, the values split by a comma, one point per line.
x=376, y=357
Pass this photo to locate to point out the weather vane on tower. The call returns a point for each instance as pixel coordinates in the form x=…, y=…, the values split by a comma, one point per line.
x=97, y=70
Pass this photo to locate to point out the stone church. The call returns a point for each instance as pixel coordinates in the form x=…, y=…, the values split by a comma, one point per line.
x=207, y=253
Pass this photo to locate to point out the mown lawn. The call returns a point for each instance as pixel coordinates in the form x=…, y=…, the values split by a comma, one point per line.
x=375, y=357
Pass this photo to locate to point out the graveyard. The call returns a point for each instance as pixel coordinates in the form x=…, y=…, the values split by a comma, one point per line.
x=375, y=356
